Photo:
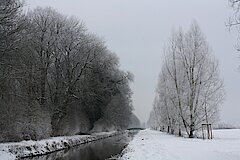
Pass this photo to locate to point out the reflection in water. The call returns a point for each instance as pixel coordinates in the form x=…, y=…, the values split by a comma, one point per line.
x=98, y=150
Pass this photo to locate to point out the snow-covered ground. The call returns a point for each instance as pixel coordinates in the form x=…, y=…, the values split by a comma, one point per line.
x=154, y=145
x=11, y=151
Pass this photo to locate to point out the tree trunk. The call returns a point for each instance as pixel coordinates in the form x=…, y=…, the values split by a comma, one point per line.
x=179, y=132
x=43, y=86
x=191, y=134
x=191, y=131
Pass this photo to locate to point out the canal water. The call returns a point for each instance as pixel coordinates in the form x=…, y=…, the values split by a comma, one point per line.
x=98, y=150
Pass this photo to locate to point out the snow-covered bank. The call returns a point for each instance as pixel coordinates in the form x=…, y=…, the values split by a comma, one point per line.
x=154, y=145
x=10, y=151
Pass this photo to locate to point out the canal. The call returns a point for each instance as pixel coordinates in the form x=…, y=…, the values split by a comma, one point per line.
x=98, y=150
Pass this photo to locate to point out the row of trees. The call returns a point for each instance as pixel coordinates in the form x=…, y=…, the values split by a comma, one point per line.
x=189, y=89
x=53, y=70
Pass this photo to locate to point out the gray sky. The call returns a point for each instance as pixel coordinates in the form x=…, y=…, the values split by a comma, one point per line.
x=137, y=30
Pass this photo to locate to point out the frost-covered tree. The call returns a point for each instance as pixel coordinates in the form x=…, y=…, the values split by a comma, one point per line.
x=189, y=89
x=134, y=121
x=234, y=20
x=56, y=77
x=152, y=121
x=11, y=101
x=11, y=24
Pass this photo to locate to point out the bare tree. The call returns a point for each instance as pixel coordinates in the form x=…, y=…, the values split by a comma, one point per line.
x=234, y=20
x=56, y=77
x=189, y=89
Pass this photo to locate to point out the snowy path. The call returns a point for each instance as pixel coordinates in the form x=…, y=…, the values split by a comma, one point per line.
x=154, y=145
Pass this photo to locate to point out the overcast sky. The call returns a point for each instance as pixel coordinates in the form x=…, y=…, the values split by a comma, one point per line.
x=137, y=30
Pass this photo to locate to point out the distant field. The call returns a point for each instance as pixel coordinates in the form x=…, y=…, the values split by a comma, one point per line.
x=227, y=134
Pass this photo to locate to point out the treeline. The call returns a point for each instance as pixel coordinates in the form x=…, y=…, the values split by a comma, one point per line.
x=189, y=90
x=54, y=71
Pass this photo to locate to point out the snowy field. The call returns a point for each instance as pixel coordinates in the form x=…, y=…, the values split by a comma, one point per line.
x=154, y=145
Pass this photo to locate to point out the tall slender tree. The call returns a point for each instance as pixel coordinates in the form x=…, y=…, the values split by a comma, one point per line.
x=189, y=89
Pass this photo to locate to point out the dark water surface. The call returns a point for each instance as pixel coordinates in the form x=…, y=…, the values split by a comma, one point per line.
x=98, y=150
